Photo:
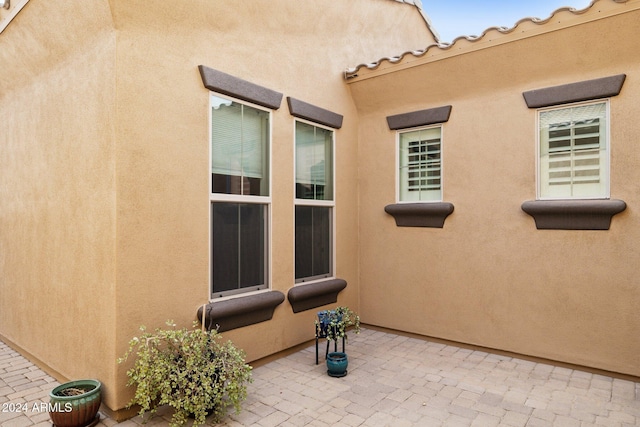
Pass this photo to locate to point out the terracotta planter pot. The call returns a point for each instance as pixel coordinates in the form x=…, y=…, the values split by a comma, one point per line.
x=78, y=410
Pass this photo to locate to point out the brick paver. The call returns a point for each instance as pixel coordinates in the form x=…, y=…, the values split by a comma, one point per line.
x=393, y=380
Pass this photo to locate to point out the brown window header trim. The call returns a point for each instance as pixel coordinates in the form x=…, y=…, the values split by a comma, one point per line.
x=310, y=112
x=226, y=84
x=575, y=92
x=419, y=118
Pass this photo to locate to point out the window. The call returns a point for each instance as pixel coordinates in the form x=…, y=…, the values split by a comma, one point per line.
x=240, y=197
x=314, y=210
x=574, y=158
x=420, y=165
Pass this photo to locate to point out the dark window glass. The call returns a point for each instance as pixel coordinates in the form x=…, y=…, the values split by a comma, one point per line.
x=313, y=242
x=238, y=250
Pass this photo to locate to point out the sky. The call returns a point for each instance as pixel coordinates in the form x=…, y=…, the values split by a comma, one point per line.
x=453, y=18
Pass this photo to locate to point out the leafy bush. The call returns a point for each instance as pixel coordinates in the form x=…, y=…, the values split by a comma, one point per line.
x=333, y=324
x=189, y=370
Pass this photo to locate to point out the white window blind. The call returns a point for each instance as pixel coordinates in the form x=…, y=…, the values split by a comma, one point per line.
x=240, y=137
x=314, y=161
x=573, y=152
x=420, y=165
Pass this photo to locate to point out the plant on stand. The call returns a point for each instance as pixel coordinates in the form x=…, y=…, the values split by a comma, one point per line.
x=332, y=325
x=188, y=369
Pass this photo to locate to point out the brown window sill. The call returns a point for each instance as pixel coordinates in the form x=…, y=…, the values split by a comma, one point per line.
x=312, y=295
x=242, y=311
x=420, y=214
x=573, y=214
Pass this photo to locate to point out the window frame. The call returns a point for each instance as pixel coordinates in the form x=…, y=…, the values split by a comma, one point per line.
x=399, y=132
x=241, y=199
x=605, y=172
x=331, y=204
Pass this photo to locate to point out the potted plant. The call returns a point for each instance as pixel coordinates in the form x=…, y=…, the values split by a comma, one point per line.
x=337, y=363
x=332, y=325
x=190, y=370
x=76, y=403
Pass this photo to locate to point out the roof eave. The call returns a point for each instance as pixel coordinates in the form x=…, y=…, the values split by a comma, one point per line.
x=491, y=37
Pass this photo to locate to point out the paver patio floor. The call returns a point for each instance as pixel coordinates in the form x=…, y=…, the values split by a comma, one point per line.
x=394, y=380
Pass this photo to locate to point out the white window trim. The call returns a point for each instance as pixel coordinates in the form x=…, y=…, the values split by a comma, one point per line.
x=238, y=295
x=607, y=132
x=442, y=163
x=240, y=198
x=311, y=202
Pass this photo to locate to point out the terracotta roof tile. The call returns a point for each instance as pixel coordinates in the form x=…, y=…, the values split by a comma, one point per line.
x=352, y=72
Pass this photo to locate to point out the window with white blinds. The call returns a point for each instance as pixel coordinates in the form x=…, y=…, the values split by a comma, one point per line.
x=314, y=167
x=240, y=202
x=574, y=158
x=420, y=165
x=239, y=148
x=314, y=202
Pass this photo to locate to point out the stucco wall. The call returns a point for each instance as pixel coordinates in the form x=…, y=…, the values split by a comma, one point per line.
x=489, y=277
x=57, y=181
x=104, y=170
x=104, y=151
x=162, y=154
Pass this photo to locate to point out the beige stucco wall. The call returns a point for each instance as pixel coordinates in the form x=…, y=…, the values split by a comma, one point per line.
x=104, y=154
x=57, y=181
x=488, y=277
x=105, y=197
x=163, y=149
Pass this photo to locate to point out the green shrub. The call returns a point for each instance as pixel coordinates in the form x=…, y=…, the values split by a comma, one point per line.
x=189, y=370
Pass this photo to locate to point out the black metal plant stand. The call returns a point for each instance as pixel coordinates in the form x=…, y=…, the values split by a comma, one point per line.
x=322, y=333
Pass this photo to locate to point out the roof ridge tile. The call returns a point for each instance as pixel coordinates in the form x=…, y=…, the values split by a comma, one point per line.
x=352, y=72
